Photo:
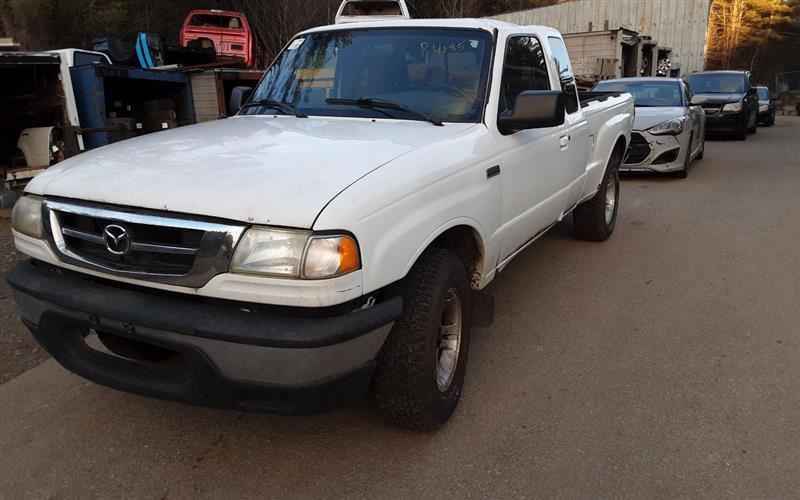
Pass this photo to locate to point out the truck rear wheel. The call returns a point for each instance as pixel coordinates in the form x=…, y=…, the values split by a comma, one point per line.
x=420, y=372
x=595, y=220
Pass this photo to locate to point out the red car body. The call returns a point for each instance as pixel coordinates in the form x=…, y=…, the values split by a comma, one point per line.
x=228, y=30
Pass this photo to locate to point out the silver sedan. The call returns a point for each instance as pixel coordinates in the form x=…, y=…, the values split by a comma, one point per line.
x=669, y=133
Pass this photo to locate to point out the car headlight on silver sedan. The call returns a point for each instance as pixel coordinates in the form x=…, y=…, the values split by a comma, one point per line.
x=670, y=127
x=26, y=217
x=732, y=107
x=295, y=254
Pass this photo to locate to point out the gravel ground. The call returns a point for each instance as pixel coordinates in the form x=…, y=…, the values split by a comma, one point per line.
x=18, y=351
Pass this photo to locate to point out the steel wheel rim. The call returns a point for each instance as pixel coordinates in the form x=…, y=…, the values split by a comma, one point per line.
x=611, y=200
x=448, y=346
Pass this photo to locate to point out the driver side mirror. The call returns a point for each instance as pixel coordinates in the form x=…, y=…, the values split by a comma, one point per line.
x=534, y=109
x=239, y=96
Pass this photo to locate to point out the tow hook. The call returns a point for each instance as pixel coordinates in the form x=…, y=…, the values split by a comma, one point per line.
x=369, y=304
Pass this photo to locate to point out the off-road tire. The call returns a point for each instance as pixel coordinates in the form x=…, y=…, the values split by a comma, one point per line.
x=589, y=218
x=404, y=388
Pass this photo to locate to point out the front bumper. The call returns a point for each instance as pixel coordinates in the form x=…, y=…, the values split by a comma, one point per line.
x=725, y=122
x=216, y=353
x=655, y=153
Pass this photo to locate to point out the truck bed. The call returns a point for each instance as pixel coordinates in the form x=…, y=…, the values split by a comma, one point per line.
x=587, y=98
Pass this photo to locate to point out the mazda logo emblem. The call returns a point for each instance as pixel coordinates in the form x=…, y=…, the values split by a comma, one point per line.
x=118, y=241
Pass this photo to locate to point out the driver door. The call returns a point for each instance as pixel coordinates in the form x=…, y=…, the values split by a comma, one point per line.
x=532, y=161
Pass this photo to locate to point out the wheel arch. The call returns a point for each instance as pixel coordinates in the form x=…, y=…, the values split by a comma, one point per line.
x=621, y=145
x=462, y=237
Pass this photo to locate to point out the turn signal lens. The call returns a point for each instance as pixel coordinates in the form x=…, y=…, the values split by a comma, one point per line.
x=328, y=257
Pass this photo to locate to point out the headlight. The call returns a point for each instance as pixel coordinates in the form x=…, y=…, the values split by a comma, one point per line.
x=733, y=107
x=295, y=254
x=671, y=127
x=26, y=218
x=763, y=108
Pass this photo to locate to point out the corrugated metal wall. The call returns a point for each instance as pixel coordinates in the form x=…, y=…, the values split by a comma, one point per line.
x=679, y=24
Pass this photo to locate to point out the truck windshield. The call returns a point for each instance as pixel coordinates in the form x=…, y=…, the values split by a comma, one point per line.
x=437, y=73
x=647, y=94
x=717, y=83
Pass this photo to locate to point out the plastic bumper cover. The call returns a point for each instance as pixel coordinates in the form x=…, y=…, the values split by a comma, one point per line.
x=220, y=354
x=725, y=122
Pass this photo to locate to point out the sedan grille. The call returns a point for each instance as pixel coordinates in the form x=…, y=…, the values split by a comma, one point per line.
x=639, y=149
x=141, y=244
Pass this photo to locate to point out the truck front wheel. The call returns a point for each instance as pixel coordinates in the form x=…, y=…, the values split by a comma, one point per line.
x=420, y=371
x=595, y=219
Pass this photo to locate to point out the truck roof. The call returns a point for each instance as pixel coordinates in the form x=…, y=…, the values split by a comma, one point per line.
x=484, y=24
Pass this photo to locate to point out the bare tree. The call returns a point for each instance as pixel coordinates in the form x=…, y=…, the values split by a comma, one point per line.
x=738, y=24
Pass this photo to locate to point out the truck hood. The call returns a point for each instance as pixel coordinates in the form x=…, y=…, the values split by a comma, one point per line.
x=647, y=117
x=278, y=170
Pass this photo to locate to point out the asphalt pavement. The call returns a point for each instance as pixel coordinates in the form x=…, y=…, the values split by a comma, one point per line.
x=662, y=364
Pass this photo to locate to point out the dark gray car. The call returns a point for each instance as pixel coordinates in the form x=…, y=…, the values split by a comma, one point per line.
x=729, y=99
x=766, y=107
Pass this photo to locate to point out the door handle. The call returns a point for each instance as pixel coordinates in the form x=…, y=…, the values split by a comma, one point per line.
x=493, y=171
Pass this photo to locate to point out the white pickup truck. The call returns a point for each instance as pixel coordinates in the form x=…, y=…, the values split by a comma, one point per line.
x=330, y=239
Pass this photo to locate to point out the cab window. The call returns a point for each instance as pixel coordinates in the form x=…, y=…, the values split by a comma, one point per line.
x=525, y=68
x=215, y=21
x=373, y=8
x=565, y=74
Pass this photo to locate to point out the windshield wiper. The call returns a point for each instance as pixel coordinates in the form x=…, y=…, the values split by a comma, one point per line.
x=367, y=102
x=280, y=106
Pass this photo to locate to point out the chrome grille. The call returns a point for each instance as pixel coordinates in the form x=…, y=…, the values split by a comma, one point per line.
x=164, y=248
x=639, y=149
x=711, y=110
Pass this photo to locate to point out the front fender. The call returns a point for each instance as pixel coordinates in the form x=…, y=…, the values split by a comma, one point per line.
x=397, y=211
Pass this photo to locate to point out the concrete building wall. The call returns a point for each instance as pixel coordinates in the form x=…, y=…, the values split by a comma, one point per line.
x=679, y=24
